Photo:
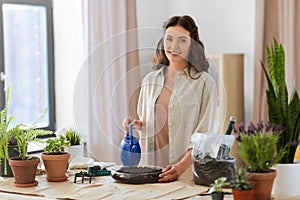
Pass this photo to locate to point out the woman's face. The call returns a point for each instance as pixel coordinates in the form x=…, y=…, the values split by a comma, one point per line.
x=177, y=42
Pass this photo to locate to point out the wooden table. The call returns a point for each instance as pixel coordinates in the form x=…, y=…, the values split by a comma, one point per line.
x=104, y=187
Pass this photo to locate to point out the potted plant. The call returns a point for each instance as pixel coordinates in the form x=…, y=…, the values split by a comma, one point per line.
x=56, y=159
x=9, y=150
x=7, y=144
x=216, y=189
x=257, y=147
x=241, y=186
x=76, y=147
x=284, y=109
x=280, y=109
x=24, y=167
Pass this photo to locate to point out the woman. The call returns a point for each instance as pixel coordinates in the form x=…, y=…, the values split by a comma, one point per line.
x=176, y=100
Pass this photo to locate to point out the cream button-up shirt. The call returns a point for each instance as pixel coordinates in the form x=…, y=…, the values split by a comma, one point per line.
x=192, y=109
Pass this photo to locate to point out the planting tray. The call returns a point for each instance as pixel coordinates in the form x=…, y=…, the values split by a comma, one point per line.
x=136, y=174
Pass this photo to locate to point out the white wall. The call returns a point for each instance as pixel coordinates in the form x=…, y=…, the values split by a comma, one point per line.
x=224, y=26
x=68, y=57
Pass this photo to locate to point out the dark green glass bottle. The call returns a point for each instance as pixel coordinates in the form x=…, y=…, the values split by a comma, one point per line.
x=224, y=150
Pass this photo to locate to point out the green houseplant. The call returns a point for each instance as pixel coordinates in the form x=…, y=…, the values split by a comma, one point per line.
x=76, y=148
x=242, y=186
x=257, y=147
x=284, y=109
x=56, y=146
x=280, y=109
x=73, y=137
x=56, y=159
x=25, y=134
x=24, y=167
x=217, y=187
x=6, y=148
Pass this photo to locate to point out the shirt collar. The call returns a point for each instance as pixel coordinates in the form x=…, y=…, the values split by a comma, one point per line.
x=186, y=71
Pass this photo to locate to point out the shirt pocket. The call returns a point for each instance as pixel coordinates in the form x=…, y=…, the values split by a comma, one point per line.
x=189, y=108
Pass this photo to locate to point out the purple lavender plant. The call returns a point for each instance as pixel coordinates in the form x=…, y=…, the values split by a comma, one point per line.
x=257, y=145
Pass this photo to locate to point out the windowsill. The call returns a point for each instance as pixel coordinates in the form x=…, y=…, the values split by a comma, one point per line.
x=34, y=147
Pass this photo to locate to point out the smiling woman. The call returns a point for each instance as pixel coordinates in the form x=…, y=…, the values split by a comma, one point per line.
x=177, y=99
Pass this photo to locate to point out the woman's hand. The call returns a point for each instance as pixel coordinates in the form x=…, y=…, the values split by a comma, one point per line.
x=170, y=173
x=173, y=172
x=136, y=124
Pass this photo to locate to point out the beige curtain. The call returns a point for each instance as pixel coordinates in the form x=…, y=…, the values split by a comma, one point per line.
x=275, y=19
x=109, y=78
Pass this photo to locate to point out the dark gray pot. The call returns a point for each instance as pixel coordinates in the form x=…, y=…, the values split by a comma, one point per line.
x=12, y=152
x=217, y=196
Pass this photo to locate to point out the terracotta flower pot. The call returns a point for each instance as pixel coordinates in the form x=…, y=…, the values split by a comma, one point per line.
x=24, y=171
x=56, y=166
x=263, y=184
x=242, y=194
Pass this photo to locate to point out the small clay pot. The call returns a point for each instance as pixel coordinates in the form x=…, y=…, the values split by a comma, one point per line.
x=242, y=194
x=56, y=166
x=24, y=171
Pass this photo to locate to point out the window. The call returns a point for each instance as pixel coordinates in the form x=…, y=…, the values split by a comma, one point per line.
x=27, y=60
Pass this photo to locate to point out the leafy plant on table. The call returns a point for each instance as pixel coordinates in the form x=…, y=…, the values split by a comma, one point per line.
x=25, y=134
x=73, y=137
x=218, y=185
x=257, y=146
x=56, y=145
x=281, y=110
x=241, y=181
x=5, y=132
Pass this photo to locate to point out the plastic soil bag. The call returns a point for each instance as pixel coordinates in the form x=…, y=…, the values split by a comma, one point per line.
x=208, y=164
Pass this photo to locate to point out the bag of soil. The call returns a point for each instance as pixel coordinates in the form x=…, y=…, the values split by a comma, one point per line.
x=207, y=164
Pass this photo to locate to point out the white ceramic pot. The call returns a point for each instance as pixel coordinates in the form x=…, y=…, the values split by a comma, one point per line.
x=75, y=151
x=287, y=180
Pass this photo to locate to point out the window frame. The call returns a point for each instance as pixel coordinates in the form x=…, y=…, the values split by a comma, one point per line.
x=50, y=61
